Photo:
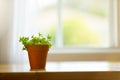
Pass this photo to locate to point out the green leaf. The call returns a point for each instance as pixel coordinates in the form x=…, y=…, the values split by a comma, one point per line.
x=36, y=40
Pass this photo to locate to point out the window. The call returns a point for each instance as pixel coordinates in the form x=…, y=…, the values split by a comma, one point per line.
x=77, y=26
x=78, y=23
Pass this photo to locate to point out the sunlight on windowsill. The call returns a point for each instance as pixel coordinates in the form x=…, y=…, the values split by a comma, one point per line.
x=83, y=66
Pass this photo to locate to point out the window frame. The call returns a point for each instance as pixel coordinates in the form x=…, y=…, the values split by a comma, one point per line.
x=94, y=54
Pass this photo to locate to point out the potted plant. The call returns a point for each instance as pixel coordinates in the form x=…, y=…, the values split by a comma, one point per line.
x=37, y=48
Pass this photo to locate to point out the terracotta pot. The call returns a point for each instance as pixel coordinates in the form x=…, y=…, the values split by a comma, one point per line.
x=37, y=56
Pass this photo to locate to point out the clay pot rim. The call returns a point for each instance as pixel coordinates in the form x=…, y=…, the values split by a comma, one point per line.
x=37, y=45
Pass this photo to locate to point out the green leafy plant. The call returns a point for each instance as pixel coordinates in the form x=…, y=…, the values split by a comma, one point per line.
x=36, y=40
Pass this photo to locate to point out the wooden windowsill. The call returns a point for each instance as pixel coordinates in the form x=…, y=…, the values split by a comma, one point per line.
x=63, y=71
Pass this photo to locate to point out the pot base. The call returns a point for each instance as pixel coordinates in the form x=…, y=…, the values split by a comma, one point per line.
x=43, y=70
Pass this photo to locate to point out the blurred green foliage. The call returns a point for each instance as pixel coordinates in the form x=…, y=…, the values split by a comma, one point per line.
x=77, y=33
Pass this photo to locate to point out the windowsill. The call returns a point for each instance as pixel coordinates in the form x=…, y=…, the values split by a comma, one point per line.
x=84, y=55
x=83, y=50
x=74, y=66
x=63, y=71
